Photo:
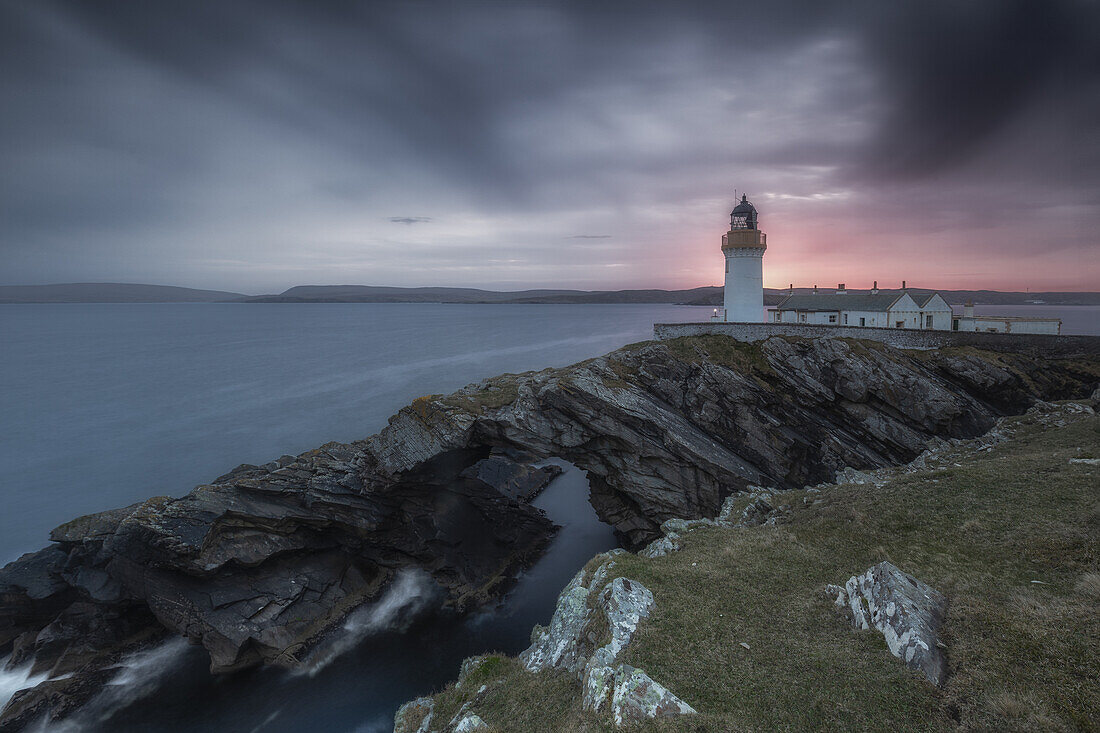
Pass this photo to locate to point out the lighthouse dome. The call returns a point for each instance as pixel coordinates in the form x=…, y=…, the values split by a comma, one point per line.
x=743, y=215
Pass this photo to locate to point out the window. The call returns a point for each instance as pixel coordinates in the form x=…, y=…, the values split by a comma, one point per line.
x=954, y=324
x=863, y=321
x=832, y=318
x=928, y=321
x=900, y=324
x=802, y=317
x=778, y=316
x=845, y=319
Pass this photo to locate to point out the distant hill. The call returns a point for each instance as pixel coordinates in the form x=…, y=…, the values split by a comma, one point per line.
x=954, y=297
x=110, y=293
x=374, y=294
x=704, y=296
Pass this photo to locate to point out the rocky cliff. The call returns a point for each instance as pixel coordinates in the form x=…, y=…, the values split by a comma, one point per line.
x=260, y=563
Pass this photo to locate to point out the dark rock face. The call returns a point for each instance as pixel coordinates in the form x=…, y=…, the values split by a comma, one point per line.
x=258, y=564
x=671, y=428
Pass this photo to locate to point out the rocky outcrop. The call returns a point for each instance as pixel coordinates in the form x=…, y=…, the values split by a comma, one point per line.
x=565, y=644
x=668, y=430
x=908, y=612
x=635, y=698
x=258, y=564
x=593, y=623
x=414, y=716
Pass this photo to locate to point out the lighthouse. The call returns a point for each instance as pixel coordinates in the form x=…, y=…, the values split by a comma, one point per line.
x=743, y=246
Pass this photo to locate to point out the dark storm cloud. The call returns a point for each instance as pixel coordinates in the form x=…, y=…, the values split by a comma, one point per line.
x=237, y=130
x=955, y=74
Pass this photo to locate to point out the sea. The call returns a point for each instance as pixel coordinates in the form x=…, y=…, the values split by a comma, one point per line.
x=103, y=405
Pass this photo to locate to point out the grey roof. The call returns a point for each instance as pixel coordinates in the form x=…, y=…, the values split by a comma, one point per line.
x=923, y=298
x=830, y=301
x=834, y=302
x=745, y=207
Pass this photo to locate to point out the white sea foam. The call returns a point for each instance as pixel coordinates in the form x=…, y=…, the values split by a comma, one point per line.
x=267, y=721
x=14, y=680
x=141, y=675
x=143, y=671
x=408, y=595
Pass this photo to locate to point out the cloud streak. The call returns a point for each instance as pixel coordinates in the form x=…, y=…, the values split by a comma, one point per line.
x=411, y=219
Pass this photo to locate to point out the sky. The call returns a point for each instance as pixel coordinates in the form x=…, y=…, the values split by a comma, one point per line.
x=252, y=146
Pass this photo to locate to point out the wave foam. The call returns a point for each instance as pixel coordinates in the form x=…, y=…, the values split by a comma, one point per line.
x=409, y=595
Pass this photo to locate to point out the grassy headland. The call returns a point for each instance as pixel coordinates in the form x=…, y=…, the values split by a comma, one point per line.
x=1009, y=533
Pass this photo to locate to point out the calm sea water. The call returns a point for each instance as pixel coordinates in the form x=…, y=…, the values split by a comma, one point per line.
x=107, y=404
x=104, y=405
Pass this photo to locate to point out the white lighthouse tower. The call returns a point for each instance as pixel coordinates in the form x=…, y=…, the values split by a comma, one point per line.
x=744, y=245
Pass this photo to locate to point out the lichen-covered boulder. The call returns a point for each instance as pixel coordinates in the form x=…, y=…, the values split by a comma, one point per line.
x=564, y=643
x=556, y=645
x=637, y=698
x=660, y=547
x=629, y=695
x=672, y=539
x=469, y=723
x=596, y=688
x=908, y=612
x=414, y=716
x=625, y=603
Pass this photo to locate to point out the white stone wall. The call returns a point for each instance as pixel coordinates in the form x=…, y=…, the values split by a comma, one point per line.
x=995, y=324
x=1050, y=326
x=872, y=319
x=941, y=320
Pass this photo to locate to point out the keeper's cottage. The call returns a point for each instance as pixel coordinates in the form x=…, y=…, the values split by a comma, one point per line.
x=881, y=309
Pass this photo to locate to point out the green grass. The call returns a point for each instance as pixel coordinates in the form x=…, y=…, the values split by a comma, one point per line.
x=513, y=699
x=493, y=394
x=1021, y=655
x=747, y=358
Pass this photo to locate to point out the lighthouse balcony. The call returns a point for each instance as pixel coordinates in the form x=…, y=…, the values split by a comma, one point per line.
x=744, y=239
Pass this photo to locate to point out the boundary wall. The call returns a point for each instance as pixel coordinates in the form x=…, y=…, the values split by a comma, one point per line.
x=1047, y=345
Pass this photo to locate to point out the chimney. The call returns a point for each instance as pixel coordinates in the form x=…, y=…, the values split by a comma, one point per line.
x=792, y=288
x=815, y=290
x=903, y=285
x=874, y=288
x=968, y=309
x=840, y=289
